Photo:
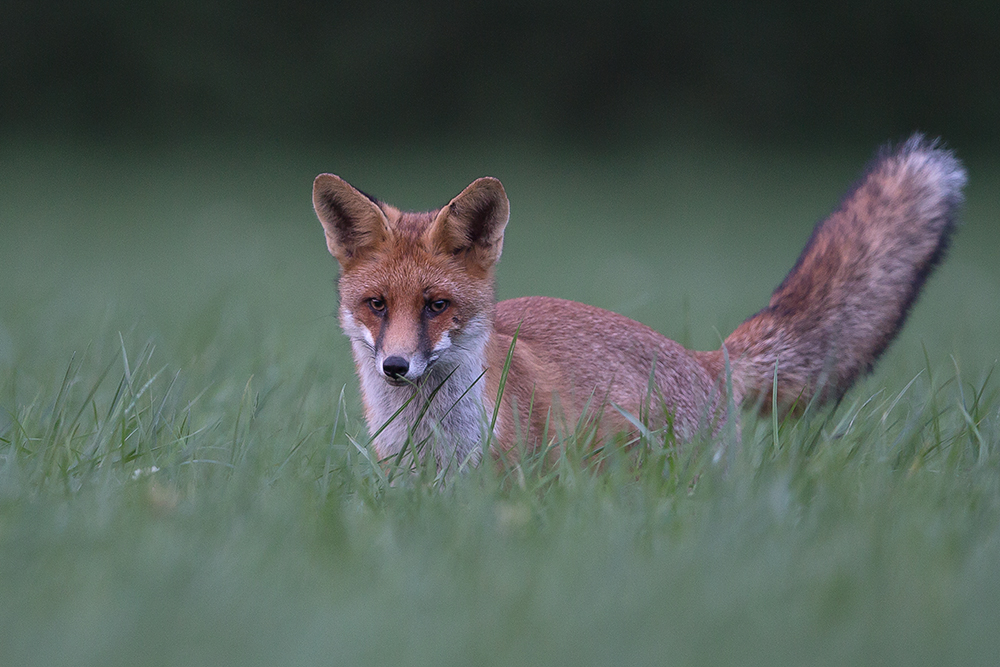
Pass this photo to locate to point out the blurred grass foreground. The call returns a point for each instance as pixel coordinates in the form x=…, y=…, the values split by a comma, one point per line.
x=180, y=482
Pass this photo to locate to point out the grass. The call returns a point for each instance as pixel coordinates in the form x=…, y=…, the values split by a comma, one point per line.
x=180, y=484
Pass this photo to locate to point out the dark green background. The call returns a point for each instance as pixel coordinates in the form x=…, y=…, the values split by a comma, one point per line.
x=575, y=71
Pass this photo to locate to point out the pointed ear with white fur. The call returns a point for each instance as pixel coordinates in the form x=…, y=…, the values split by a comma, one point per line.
x=352, y=221
x=472, y=223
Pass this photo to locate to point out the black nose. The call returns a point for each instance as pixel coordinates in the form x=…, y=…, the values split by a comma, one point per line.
x=395, y=367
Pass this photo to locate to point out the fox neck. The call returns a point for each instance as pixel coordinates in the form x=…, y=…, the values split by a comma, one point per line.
x=445, y=414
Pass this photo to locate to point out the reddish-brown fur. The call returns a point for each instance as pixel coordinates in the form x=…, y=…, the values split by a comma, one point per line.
x=826, y=324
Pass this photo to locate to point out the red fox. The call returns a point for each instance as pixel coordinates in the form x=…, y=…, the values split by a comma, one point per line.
x=431, y=344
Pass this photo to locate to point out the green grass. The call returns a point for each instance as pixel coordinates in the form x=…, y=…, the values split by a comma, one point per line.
x=179, y=483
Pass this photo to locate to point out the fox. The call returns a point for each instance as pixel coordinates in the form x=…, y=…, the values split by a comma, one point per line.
x=447, y=371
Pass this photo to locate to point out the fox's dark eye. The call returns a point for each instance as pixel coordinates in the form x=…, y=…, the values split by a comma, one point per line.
x=376, y=304
x=437, y=306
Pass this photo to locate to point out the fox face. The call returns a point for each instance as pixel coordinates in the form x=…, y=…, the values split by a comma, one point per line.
x=416, y=297
x=406, y=310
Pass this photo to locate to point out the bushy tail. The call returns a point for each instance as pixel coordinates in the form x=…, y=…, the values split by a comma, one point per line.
x=850, y=291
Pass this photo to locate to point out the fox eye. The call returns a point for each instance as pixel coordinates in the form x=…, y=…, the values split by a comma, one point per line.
x=376, y=304
x=437, y=306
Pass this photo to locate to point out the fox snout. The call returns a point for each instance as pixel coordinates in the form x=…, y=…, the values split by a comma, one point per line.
x=404, y=346
x=399, y=369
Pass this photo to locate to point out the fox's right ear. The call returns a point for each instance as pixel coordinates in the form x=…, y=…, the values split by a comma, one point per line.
x=351, y=220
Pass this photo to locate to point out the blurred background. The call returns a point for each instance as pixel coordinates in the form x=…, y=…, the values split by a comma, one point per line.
x=664, y=160
x=577, y=71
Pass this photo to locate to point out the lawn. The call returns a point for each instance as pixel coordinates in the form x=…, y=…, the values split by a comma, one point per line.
x=183, y=477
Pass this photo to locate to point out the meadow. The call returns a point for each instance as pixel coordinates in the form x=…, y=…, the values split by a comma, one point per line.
x=183, y=471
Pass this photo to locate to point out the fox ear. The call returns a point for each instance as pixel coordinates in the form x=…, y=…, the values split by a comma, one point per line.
x=472, y=222
x=352, y=220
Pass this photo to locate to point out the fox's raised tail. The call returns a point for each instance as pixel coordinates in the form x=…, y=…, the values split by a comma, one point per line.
x=850, y=290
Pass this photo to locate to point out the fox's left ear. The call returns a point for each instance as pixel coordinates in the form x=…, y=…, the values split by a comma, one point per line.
x=472, y=223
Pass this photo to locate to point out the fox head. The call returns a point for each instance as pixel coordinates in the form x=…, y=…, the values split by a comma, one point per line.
x=416, y=289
